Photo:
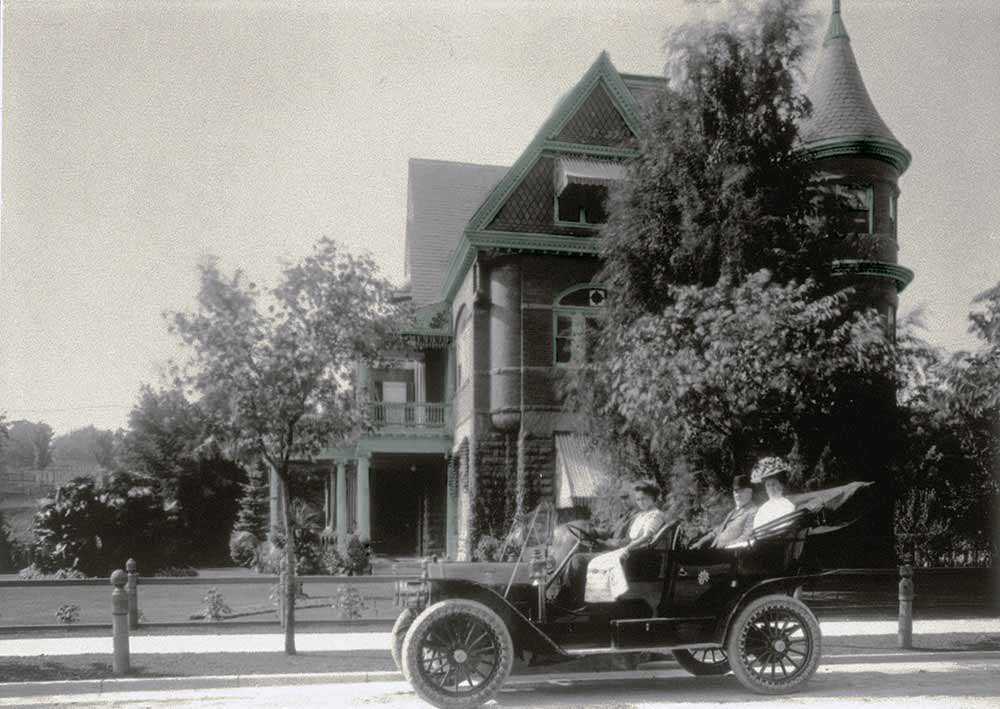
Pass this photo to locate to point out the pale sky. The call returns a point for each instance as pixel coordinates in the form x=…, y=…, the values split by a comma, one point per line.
x=139, y=136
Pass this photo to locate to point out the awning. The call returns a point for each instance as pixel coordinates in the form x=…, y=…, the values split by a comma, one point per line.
x=579, y=468
x=580, y=171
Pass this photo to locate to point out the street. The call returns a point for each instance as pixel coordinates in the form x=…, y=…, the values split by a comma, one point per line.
x=954, y=679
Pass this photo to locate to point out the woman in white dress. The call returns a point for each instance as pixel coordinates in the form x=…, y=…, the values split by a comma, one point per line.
x=605, y=574
x=773, y=473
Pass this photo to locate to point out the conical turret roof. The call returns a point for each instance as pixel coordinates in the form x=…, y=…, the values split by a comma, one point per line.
x=842, y=109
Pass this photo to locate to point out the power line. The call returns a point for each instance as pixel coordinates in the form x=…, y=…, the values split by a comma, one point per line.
x=70, y=408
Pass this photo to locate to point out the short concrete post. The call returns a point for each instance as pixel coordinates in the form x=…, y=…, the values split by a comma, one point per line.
x=133, y=594
x=119, y=623
x=906, y=606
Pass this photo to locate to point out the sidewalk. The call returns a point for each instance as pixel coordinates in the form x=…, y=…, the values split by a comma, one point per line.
x=351, y=642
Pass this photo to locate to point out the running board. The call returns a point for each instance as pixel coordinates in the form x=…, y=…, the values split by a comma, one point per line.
x=584, y=652
x=643, y=633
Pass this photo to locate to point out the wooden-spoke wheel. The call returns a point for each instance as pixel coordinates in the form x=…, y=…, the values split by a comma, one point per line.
x=703, y=662
x=457, y=654
x=774, y=645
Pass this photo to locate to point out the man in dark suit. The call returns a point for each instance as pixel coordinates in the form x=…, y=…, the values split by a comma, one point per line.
x=737, y=525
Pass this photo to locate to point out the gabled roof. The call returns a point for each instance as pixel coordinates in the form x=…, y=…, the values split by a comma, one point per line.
x=602, y=71
x=441, y=196
x=842, y=108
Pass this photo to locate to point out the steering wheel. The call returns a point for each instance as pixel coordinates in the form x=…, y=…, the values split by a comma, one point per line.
x=582, y=535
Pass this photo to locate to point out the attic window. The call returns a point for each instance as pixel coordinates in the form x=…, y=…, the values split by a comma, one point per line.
x=581, y=188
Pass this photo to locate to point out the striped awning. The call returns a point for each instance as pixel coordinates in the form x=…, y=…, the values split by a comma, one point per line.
x=579, y=469
x=580, y=171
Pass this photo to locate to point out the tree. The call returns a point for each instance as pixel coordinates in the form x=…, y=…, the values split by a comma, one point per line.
x=168, y=440
x=276, y=367
x=254, y=502
x=718, y=188
x=86, y=447
x=727, y=373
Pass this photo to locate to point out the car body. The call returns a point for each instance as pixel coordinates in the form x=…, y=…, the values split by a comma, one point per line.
x=716, y=610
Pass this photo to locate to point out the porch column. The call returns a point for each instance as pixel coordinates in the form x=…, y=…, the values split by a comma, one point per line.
x=341, y=493
x=364, y=499
x=419, y=391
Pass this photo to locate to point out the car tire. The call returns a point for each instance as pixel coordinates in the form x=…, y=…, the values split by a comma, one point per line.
x=710, y=662
x=399, y=628
x=780, y=634
x=459, y=640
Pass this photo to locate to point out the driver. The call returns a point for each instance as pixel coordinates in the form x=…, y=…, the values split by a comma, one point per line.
x=607, y=580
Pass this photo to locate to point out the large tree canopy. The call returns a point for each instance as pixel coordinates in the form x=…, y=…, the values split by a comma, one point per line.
x=275, y=368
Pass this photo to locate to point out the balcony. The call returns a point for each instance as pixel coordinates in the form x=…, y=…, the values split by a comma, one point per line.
x=409, y=417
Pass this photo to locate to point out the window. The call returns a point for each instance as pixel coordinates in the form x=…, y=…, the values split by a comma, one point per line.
x=892, y=211
x=855, y=202
x=582, y=205
x=577, y=318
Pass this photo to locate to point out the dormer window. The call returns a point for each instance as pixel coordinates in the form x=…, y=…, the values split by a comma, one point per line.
x=581, y=190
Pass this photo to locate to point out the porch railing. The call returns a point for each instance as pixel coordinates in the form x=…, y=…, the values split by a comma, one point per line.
x=409, y=414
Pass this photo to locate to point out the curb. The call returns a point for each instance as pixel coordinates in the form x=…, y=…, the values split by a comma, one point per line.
x=656, y=670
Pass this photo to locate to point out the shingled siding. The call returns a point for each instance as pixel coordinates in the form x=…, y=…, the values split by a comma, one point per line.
x=597, y=122
x=531, y=207
x=536, y=457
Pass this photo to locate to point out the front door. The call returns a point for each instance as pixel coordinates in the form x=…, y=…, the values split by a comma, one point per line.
x=394, y=398
x=397, y=499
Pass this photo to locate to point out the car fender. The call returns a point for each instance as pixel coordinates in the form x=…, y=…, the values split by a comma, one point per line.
x=788, y=585
x=525, y=634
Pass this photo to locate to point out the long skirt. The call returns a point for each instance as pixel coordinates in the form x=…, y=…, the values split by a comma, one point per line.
x=605, y=578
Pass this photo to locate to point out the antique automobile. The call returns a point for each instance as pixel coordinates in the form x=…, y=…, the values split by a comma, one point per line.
x=716, y=610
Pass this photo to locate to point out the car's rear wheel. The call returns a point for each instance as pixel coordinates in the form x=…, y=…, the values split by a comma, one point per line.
x=457, y=654
x=774, y=645
x=403, y=622
x=703, y=663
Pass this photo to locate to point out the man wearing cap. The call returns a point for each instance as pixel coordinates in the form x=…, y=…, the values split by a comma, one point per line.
x=737, y=525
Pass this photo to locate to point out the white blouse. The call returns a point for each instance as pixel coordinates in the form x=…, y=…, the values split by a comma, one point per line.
x=771, y=510
x=648, y=522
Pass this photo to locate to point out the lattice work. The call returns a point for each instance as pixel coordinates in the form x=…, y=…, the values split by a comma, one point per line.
x=597, y=122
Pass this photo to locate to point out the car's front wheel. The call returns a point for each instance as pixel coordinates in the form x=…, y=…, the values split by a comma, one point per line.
x=457, y=654
x=703, y=663
x=774, y=645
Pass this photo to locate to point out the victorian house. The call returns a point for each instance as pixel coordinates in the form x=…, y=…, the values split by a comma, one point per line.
x=502, y=264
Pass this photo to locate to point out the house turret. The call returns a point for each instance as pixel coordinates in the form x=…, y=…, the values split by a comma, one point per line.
x=856, y=155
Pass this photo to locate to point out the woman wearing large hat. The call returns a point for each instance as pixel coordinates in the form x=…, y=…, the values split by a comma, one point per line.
x=773, y=473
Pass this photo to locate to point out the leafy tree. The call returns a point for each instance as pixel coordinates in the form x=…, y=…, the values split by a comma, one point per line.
x=277, y=367
x=28, y=445
x=718, y=189
x=86, y=447
x=93, y=526
x=168, y=441
x=727, y=373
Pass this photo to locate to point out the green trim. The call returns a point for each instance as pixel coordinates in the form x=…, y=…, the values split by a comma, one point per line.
x=902, y=275
x=879, y=148
x=513, y=242
x=558, y=147
x=574, y=289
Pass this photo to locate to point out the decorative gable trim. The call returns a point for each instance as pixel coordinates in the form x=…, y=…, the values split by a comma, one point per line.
x=601, y=70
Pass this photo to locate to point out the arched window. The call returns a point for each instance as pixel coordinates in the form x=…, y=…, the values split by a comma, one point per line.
x=576, y=322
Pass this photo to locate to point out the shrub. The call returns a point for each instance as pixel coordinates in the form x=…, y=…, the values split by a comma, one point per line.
x=331, y=559
x=244, y=549
x=358, y=558
x=29, y=573
x=176, y=572
x=215, y=607
x=68, y=613
x=487, y=548
x=349, y=601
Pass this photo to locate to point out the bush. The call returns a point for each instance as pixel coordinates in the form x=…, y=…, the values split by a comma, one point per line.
x=33, y=572
x=349, y=601
x=358, y=560
x=244, y=549
x=176, y=572
x=487, y=548
x=215, y=607
x=68, y=613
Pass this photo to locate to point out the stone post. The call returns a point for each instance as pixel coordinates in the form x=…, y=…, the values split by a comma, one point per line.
x=132, y=586
x=906, y=606
x=119, y=623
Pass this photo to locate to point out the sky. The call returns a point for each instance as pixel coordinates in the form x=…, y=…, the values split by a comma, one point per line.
x=139, y=137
